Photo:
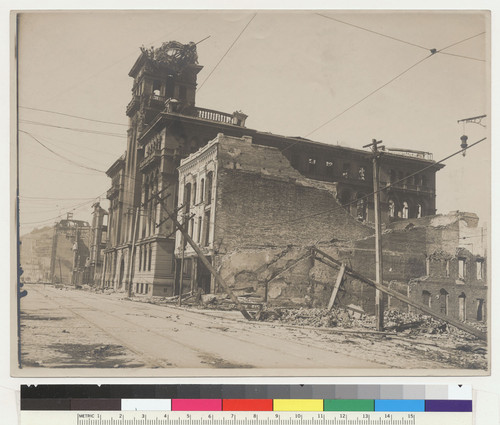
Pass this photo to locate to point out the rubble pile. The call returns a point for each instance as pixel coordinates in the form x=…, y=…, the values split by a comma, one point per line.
x=316, y=317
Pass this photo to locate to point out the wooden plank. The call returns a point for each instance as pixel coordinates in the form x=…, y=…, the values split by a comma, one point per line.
x=340, y=278
x=336, y=264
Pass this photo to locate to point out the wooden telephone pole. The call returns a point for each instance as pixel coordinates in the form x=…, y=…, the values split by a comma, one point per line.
x=379, y=297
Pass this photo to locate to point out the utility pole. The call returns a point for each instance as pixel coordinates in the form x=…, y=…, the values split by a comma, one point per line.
x=183, y=247
x=132, y=251
x=60, y=272
x=379, y=297
x=204, y=259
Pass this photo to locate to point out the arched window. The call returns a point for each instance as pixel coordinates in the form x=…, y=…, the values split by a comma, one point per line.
x=210, y=177
x=187, y=196
x=406, y=210
x=443, y=301
x=194, y=193
x=202, y=190
x=392, y=207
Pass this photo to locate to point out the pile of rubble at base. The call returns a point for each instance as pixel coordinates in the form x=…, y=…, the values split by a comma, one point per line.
x=349, y=318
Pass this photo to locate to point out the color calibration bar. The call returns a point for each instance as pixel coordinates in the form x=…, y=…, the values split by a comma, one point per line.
x=252, y=405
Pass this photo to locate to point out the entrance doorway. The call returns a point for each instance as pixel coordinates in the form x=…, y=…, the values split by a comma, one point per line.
x=204, y=277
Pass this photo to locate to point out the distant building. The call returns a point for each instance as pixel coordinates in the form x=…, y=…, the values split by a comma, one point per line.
x=98, y=242
x=57, y=254
x=167, y=126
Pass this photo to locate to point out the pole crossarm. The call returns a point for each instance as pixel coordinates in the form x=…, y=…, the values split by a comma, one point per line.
x=337, y=264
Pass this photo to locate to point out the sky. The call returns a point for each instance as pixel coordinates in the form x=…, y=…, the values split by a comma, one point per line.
x=300, y=73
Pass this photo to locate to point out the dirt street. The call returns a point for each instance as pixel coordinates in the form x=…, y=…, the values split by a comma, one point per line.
x=67, y=328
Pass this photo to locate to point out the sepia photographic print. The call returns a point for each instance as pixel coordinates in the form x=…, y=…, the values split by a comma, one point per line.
x=251, y=192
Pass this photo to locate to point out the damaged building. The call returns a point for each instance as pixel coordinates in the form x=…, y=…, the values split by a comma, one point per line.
x=254, y=201
x=166, y=126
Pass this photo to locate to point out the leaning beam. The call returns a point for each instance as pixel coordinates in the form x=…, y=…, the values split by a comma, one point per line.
x=337, y=264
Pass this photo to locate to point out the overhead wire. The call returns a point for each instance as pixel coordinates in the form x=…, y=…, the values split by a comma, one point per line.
x=226, y=52
x=433, y=52
x=80, y=130
x=373, y=32
x=72, y=116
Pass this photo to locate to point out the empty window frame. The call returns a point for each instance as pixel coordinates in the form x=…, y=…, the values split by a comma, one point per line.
x=426, y=298
x=406, y=210
x=195, y=188
x=329, y=168
x=479, y=269
x=206, y=232
x=346, y=170
x=210, y=177
x=462, y=307
x=462, y=268
x=150, y=257
x=312, y=165
x=392, y=208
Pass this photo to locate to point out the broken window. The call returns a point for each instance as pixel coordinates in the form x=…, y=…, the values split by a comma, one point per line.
x=443, y=301
x=361, y=173
x=462, y=268
x=346, y=168
x=480, y=310
x=479, y=269
x=202, y=190
x=312, y=165
x=419, y=210
x=182, y=93
x=199, y=231
x=156, y=88
x=149, y=257
x=462, y=307
x=392, y=208
x=426, y=298
x=187, y=196
x=406, y=210
x=209, y=186
x=207, y=229
x=361, y=207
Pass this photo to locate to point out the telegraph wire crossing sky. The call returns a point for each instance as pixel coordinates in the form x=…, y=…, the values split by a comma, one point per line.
x=334, y=77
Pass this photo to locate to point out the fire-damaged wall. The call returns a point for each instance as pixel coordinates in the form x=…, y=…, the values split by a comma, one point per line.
x=259, y=191
x=451, y=282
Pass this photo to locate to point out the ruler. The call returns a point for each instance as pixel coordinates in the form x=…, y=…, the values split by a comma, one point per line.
x=242, y=418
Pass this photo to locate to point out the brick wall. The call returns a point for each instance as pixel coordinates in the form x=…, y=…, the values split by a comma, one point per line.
x=253, y=209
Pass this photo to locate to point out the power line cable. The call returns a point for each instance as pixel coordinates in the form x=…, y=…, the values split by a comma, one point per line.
x=72, y=116
x=462, y=56
x=227, y=51
x=433, y=52
x=61, y=156
x=367, y=96
x=373, y=32
x=80, y=130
